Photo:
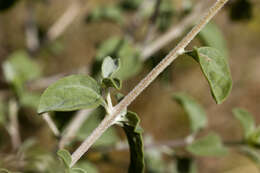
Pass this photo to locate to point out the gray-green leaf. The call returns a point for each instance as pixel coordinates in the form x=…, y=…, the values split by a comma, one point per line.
x=71, y=93
x=134, y=136
x=109, y=67
x=246, y=120
x=216, y=70
x=65, y=156
x=212, y=36
x=209, y=145
x=196, y=113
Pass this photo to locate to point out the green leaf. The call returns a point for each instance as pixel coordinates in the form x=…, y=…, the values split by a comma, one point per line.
x=196, y=113
x=113, y=13
x=212, y=36
x=216, y=70
x=246, y=120
x=130, y=63
x=71, y=93
x=112, y=82
x=77, y=170
x=133, y=132
x=108, y=48
x=65, y=156
x=109, y=67
x=108, y=138
x=19, y=68
x=209, y=145
x=85, y=165
x=254, y=137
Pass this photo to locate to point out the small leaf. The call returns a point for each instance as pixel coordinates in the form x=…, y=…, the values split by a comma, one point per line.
x=109, y=67
x=112, y=82
x=108, y=48
x=65, y=156
x=85, y=165
x=71, y=93
x=209, y=145
x=130, y=63
x=19, y=68
x=212, y=36
x=216, y=70
x=133, y=132
x=246, y=120
x=254, y=137
x=197, y=115
x=77, y=170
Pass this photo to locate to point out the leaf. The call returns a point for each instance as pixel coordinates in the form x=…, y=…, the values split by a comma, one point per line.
x=130, y=63
x=246, y=120
x=113, y=13
x=85, y=165
x=197, y=115
x=71, y=93
x=108, y=138
x=77, y=170
x=108, y=48
x=109, y=67
x=254, y=137
x=133, y=131
x=216, y=70
x=65, y=156
x=209, y=145
x=112, y=82
x=212, y=36
x=19, y=68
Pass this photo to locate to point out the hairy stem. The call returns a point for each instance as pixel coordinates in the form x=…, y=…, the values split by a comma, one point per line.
x=179, y=49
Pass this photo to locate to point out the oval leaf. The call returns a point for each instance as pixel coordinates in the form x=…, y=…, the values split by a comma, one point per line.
x=71, y=93
x=212, y=36
x=209, y=145
x=216, y=70
x=109, y=66
x=197, y=115
x=65, y=156
x=246, y=120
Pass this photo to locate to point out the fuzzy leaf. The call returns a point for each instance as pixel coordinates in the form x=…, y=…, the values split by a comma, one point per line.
x=71, y=93
x=109, y=67
x=246, y=120
x=197, y=115
x=108, y=48
x=112, y=82
x=212, y=36
x=19, y=68
x=77, y=170
x=65, y=156
x=134, y=136
x=209, y=145
x=216, y=70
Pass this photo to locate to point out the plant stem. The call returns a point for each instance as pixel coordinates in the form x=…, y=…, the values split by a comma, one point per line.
x=51, y=124
x=179, y=49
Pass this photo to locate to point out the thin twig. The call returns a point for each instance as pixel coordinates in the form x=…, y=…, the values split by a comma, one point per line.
x=74, y=126
x=51, y=124
x=179, y=49
x=13, y=126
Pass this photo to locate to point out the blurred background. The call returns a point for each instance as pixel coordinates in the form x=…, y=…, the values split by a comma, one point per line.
x=56, y=38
